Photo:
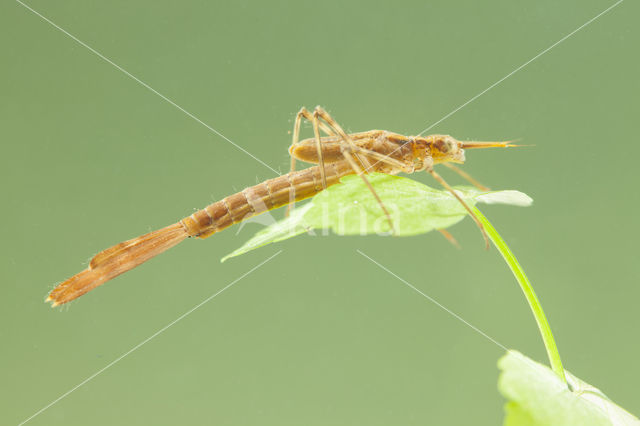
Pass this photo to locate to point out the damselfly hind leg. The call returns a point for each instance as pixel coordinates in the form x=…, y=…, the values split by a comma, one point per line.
x=304, y=113
x=359, y=163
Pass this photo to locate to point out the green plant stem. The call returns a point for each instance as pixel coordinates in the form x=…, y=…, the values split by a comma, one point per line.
x=525, y=285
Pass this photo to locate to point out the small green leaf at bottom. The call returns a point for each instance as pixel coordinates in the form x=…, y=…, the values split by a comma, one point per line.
x=537, y=397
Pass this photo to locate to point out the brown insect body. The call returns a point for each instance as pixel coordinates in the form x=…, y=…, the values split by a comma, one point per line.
x=338, y=155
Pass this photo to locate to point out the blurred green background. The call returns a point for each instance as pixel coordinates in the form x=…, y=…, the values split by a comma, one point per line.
x=319, y=335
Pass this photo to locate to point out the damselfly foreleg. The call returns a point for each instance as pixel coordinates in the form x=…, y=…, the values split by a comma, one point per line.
x=448, y=187
x=304, y=113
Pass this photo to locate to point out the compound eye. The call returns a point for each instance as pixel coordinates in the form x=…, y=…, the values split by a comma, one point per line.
x=445, y=146
x=442, y=145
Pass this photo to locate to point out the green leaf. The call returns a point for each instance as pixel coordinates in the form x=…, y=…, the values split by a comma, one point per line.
x=349, y=208
x=537, y=397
